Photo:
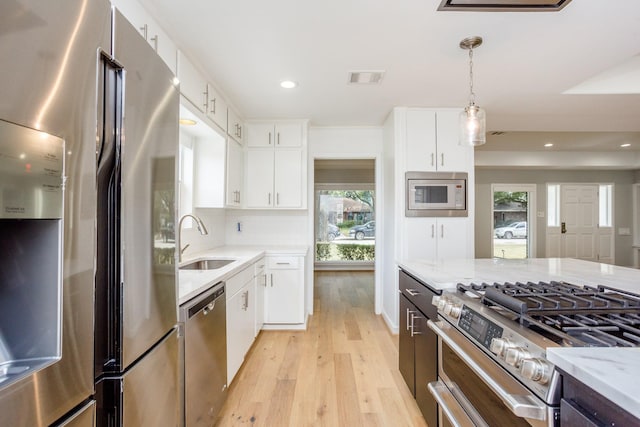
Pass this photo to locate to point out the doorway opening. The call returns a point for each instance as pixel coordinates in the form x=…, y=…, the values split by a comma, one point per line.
x=345, y=213
x=513, y=225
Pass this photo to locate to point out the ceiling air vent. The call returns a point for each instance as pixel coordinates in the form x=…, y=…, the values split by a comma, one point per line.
x=503, y=5
x=365, y=77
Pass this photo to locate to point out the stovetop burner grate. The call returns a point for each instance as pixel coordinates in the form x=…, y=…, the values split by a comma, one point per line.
x=565, y=313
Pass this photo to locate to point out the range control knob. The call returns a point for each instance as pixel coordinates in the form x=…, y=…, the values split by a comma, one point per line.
x=438, y=301
x=515, y=355
x=499, y=346
x=452, y=309
x=537, y=370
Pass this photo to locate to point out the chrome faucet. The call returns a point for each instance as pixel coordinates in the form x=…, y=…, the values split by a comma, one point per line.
x=201, y=228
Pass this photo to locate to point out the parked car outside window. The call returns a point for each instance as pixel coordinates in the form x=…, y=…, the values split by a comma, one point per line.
x=516, y=229
x=359, y=232
x=332, y=232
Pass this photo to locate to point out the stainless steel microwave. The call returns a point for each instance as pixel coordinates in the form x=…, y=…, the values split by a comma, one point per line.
x=436, y=194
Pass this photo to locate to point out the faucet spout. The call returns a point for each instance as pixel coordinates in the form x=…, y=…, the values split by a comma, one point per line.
x=201, y=228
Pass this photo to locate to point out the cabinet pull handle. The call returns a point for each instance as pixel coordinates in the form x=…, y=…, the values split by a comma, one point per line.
x=144, y=29
x=269, y=138
x=413, y=292
x=408, y=315
x=282, y=263
x=433, y=231
x=246, y=300
x=154, y=39
x=278, y=138
x=239, y=131
x=213, y=106
x=442, y=230
x=432, y=159
x=442, y=159
x=272, y=280
x=269, y=202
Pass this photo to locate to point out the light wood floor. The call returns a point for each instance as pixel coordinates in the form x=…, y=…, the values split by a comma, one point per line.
x=341, y=371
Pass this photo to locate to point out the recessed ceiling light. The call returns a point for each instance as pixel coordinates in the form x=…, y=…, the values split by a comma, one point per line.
x=548, y=144
x=288, y=84
x=187, y=122
x=625, y=145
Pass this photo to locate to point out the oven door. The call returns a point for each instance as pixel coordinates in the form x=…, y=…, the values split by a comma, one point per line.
x=473, y=390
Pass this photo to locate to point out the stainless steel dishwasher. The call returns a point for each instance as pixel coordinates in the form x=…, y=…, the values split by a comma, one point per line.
x=205, y=356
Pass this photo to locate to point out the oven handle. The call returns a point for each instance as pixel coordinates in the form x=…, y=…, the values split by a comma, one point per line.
x=525, y=406
x=450, y=406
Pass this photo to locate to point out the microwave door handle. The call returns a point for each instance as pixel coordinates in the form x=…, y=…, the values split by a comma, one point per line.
x=453, y=411
x=521, y=405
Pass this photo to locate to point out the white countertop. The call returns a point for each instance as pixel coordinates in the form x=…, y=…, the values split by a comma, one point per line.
x=192, y=283
x=446, y=274
x=607, y=370
x=611, y=371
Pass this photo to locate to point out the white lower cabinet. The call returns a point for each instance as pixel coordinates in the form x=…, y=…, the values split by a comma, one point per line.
x=437, y=238
x=260, y=279
x=284, y=293
x=241, y=303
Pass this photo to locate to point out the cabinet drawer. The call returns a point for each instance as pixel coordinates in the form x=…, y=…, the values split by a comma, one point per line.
x=236, y=282
x=283, y=263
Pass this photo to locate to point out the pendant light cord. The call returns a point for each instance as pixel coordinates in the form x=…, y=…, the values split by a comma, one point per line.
x=472, y=96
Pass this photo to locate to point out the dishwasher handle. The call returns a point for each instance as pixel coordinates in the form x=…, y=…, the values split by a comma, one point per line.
x=206, y=303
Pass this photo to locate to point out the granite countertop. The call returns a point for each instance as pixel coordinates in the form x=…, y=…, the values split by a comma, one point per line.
x=607, y=370
x=192, y=283
x=611, y=371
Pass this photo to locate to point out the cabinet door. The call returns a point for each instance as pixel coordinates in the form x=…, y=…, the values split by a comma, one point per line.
x=235, y=126
x=288, y=135
x=426, y=367
x=261, y=284
x=240, y=328
x=216, y=107
x=420, y=238
x=193, y=85
x=453, y=238
x=406, y=358
x=421, y=140
x=284, y=301
x=288, y=178
x=235, y=171
x=260, y=135
x=259, y=175
x=451, y=155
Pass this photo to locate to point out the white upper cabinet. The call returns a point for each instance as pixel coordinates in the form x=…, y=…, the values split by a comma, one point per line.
x=276, y=168
x=193, y=84
x=235, y=126
x=432, y=141
x=149, y=30
x=235, y=172
x=216, y=107
x=275, y=135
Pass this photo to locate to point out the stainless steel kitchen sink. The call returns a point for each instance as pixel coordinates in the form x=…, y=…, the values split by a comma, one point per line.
x=207, y=264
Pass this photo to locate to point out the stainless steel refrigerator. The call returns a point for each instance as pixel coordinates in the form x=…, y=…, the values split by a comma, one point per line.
x=87, y=290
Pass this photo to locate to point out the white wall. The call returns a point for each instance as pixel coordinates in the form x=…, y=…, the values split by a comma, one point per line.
x=263, y=227
x=347, y=143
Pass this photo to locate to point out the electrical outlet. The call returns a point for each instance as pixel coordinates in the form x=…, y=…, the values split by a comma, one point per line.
x=624, y=231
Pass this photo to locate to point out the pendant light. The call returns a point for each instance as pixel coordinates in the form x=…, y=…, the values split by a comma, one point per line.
x=472, y=119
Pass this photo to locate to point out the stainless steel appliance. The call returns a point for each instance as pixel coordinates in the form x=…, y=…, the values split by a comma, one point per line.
x=493, y=339
x=136, y=339
x=205, y=356
x=436, y=194
x=62, y=67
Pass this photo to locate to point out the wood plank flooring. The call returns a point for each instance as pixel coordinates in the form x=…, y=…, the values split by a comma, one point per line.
x=341, y=371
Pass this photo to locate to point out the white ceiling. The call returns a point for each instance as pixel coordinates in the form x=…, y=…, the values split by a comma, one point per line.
x=528, y=63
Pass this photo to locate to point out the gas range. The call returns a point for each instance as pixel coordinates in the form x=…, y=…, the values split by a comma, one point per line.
x=515, y=323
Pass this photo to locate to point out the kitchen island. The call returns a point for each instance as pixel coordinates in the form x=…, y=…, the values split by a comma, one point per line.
x=607, y=370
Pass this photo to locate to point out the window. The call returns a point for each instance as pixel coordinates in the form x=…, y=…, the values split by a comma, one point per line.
x=553, y=205
x=605, y=198
x=185, y=181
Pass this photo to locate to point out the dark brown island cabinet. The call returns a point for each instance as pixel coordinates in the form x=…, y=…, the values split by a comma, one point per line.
x=418, y=352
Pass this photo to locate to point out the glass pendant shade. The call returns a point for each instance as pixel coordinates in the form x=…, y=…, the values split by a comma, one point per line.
x=473, y=126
